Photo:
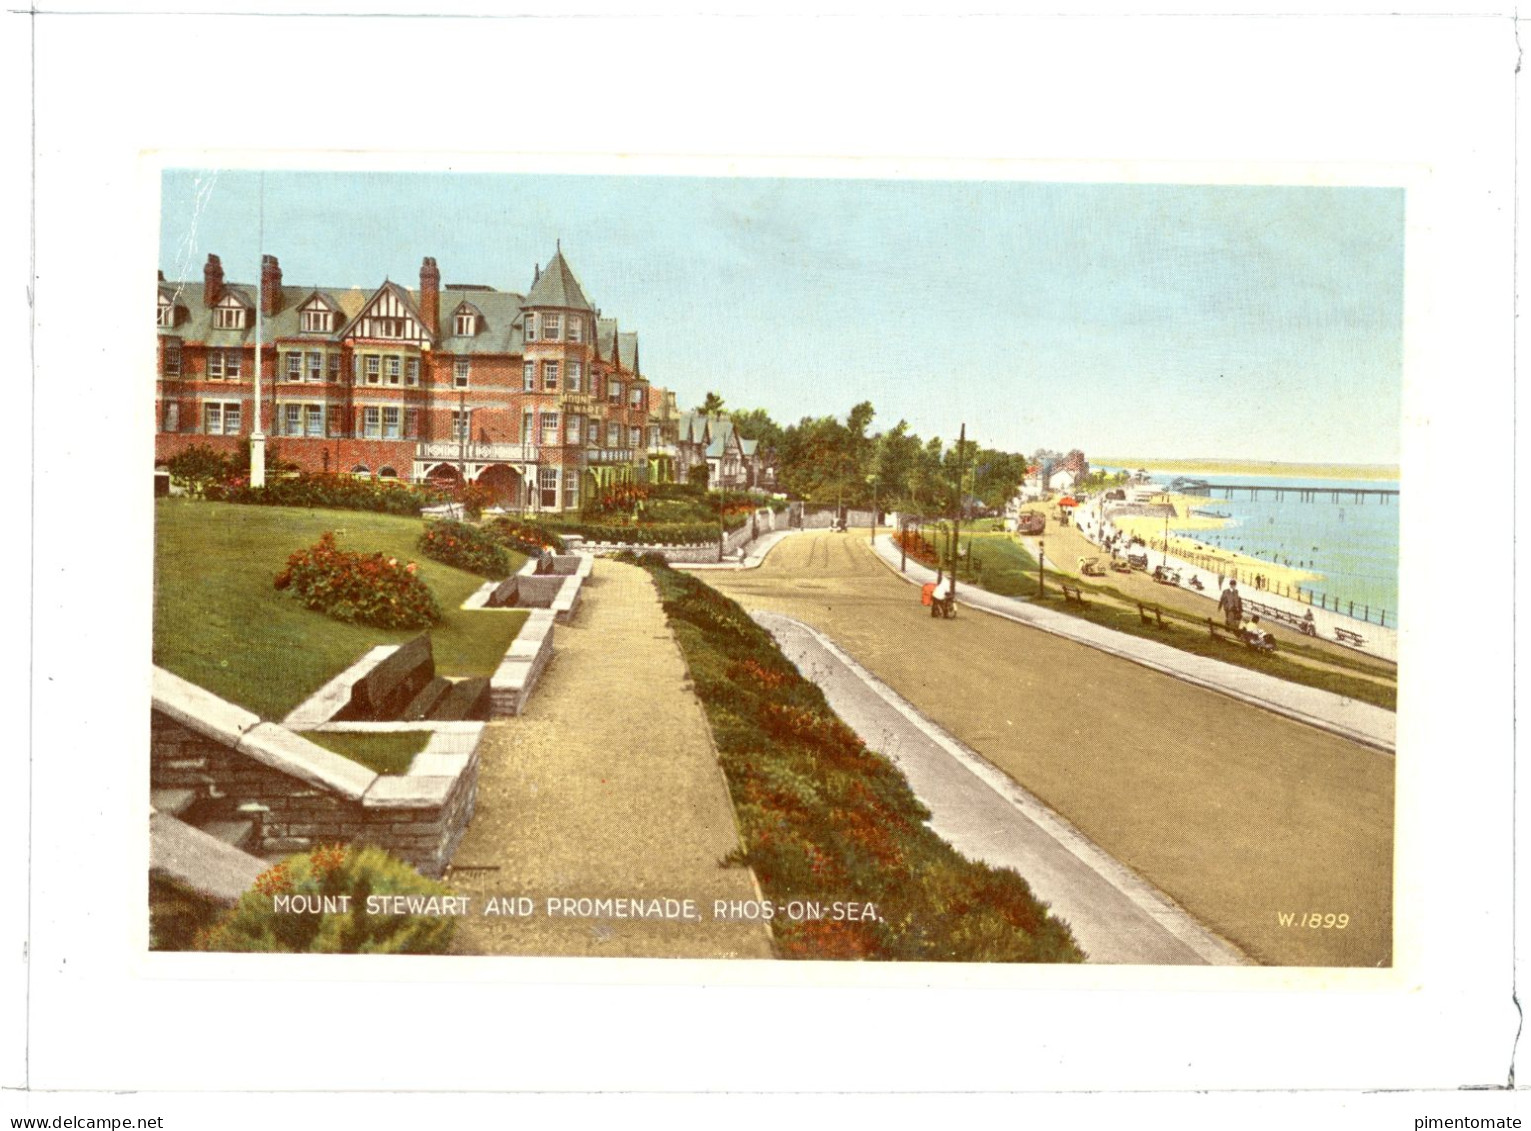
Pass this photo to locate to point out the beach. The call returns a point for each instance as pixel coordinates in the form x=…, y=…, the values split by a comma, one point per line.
x=1216, y=560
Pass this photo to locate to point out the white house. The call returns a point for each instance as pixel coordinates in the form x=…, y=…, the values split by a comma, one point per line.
x=1061, y=480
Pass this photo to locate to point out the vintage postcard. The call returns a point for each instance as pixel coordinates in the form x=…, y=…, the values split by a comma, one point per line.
x=977, y=571
x=632, y=596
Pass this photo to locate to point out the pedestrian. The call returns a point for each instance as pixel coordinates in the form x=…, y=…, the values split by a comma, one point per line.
x=1231, y=605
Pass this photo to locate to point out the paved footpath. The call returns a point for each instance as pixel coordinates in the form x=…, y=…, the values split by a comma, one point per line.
x=608, y=786
x=1348, y=718
x=1116, y=917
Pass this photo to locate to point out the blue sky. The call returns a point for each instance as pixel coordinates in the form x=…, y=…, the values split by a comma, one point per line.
x=1148, y=320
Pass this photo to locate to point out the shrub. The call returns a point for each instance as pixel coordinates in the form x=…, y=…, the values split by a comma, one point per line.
x=200, y=467
x=177, y=914
x=339, y=492
x=253, y=924
x=465, y=547
x=524, y=537
x=916, y=545
x=620, y=497
x=358, y=588
x=654, y=534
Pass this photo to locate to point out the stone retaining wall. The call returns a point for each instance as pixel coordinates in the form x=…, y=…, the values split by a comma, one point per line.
x=516, y=677
x=298, y=793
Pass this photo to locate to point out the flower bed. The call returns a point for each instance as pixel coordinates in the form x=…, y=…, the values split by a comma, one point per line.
x=825, y=818
x=524, y=537
x=357, y=588
x=465, y=547
x=916, y=545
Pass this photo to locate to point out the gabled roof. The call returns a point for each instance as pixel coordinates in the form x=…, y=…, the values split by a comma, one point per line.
x=327, y=301
x=399, y=294
x=557, y=286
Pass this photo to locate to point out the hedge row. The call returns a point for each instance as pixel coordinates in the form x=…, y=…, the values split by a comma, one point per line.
x=653, y=534
x=824, y=818
x=340, y=492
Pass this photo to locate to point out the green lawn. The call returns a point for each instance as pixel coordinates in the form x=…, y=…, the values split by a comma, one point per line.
x=1004, y=567
x=385, y=753
x=220, y=623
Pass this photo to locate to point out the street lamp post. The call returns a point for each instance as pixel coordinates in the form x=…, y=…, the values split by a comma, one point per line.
x=962, y=437
x=462, y=437
x=257, y=434
x=1041, y=568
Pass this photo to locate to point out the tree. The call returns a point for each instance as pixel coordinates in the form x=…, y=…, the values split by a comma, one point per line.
x=756, y=424
x=712, y=405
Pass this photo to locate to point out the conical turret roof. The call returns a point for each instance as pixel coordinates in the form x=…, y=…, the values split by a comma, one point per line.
x=557, y=286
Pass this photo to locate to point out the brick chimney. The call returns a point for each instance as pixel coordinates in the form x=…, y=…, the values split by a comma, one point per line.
x=430, y=296
x=212, y=281
x=270, y=285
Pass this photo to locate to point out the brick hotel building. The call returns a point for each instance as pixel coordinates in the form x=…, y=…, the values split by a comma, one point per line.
x=536, y=397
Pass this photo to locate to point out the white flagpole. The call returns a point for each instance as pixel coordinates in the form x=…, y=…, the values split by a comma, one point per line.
x=257, y=437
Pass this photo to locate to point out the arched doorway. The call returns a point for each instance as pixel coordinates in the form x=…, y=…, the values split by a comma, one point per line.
x=444, y=475
x=503, y=483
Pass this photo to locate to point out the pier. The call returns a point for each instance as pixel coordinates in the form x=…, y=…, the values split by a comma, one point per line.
x=1302, y=494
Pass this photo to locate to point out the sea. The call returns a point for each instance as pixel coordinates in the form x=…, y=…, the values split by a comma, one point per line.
x=1351, y=544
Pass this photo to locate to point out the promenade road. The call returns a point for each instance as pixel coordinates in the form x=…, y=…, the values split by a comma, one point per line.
x=1239, y=815
x=609, y=786
x=1115, y=917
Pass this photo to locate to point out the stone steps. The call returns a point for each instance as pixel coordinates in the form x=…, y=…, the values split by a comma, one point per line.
x=423, y=705
x=467, y=699
x=172, y=802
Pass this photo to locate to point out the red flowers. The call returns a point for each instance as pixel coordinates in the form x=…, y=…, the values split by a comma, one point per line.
x=358, y=588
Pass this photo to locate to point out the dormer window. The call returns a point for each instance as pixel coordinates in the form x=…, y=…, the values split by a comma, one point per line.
x=317, y=320
x=467, y=323
x=166, y=314
x=229, y=317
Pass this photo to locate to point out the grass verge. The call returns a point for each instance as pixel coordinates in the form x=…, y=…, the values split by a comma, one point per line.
x=383, y=753
x=824, y=818
x=1005, y=568
x=219, y=622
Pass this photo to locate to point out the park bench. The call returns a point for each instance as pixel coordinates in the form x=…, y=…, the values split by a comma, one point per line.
x=405, y=686
x=392, y=686
x=1345, y=636
x=1234, y=636
x=1153, y=617
x=1071, y=594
